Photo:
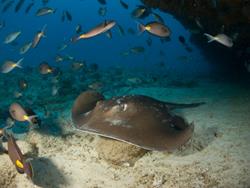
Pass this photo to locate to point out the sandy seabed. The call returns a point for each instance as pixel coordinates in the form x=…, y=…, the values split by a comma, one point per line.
x=218, y=155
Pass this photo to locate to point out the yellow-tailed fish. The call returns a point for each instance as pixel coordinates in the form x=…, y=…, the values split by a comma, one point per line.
x=38, y=36
x=101, y=28
x=8, y=66
x=155, y=28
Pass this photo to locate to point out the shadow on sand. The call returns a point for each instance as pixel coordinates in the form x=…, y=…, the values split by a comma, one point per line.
x=46, y=174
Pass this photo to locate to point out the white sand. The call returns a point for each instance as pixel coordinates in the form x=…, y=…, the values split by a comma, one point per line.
x=217, y=156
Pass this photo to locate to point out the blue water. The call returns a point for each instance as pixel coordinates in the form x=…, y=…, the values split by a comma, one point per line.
x=100, y=50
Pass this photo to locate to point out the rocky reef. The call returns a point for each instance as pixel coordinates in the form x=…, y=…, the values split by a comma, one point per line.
x=231, y=17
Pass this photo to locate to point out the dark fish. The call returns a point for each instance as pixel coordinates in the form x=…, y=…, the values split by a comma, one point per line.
x=141, y=12
x=18, y=158
x=68, y=15
x=103, y=2
x=7, y=6
x=182, y=39
x=102, y=11
x=121, y=30
x=77, y=65
x=78, y=29
x=18, y=113
x=22, y=84
x=138, y=12
x=124, y=5
x=29, y=7
x=45, y=68
x=19, y=5
x=155, y=28
x=183, y=42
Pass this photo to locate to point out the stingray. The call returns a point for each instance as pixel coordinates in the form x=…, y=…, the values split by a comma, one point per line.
x=136, y=119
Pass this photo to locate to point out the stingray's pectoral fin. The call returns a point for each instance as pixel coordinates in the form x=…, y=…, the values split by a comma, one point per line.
x=177, y=105
x=84, y=103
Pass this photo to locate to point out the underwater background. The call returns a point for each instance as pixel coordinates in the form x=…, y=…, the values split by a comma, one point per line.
x=180, y=68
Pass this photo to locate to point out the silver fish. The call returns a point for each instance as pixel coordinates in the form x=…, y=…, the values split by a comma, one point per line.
x=45, y=11
x=25, y=48
x=220, y=38
x=11, y=37
x=8, y=66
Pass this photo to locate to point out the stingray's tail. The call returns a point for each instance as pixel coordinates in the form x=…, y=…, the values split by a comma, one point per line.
x=178, y=105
